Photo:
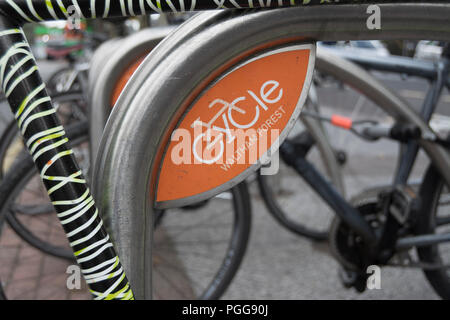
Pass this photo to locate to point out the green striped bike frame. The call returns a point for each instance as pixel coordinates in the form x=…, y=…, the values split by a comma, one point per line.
x=47, y=143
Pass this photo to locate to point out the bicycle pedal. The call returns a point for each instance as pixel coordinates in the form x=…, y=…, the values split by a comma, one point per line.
x=403, y=201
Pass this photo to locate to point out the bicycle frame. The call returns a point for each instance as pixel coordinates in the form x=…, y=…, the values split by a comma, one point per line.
x=410, y=150
x=46, y=139
x=437, y=73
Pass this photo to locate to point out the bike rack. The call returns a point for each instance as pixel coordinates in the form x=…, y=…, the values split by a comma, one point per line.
x=327, y=23
x=124, y=52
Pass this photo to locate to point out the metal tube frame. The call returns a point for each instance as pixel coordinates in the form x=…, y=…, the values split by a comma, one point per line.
x=45, y=137
x=438, y=75
x=46, y=140
x=409, y=151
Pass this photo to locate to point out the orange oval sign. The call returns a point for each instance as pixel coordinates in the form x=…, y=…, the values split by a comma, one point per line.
x=233, y=124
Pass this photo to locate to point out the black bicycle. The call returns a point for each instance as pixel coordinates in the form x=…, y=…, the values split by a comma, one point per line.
x=402, y=215
x=357, y=112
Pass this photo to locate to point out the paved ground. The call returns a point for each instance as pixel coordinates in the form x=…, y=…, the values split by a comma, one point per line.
x=277, y=265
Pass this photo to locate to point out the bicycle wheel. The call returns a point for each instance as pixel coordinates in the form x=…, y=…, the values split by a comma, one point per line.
x=71, y=106
x=433, y=218
x=283, y=191
x=28, y=272
x=30, y=221
x=197, y=250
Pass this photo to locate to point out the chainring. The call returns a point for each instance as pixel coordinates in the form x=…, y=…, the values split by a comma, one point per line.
x=345, y=244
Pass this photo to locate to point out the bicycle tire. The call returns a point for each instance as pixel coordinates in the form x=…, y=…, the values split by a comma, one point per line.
x=278, y=213
x=236, y=247
x=21, y=171
x=11, y=132
x=22, y=168
x=430, y=191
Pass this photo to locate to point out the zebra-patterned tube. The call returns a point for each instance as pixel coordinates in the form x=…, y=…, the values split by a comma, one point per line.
x=43, y=10
x=46, y=140
x=40, y=10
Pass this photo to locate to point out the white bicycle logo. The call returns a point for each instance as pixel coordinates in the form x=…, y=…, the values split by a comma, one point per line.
x=229, y=123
